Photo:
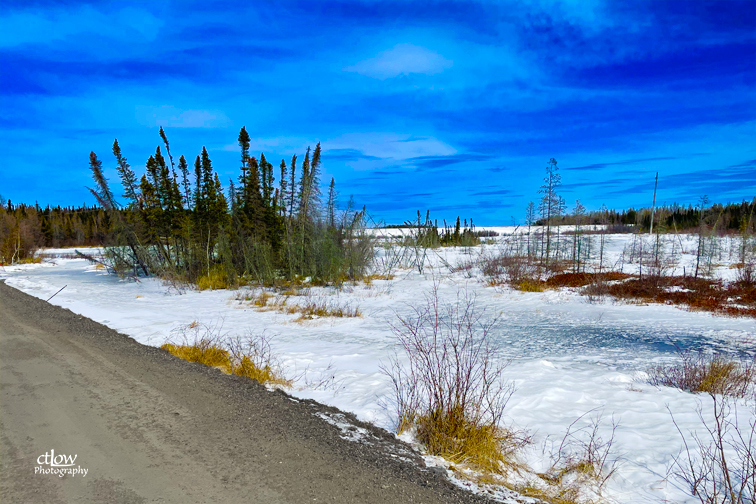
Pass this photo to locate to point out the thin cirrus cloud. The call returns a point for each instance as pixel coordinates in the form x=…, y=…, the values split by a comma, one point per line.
x=174, y=117
x=402, y=59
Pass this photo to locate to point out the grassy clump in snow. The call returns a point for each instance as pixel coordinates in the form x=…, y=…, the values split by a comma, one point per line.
x=216, y=278
x=323, y=308
x=580, y=467
x=30, y=260
x=251, y=357
x=308, y=308
x=699, y=373
x=531, y=285
x=455, y=436
x=203, y=352
x=368, y=279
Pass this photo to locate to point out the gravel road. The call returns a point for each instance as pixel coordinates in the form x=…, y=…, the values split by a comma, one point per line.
x=148, y=427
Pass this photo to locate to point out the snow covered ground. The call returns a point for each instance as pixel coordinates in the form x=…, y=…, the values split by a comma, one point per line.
x=568, y=356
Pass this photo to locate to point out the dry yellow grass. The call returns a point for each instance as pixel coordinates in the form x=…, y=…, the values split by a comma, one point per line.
x=368, y=279
x=30, y=260
x=209, y=354
x=307, y=309
x=216, y=278
x=530, y=286
x=449, y=434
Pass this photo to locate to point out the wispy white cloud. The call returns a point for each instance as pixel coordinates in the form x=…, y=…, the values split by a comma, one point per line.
x=170, y=116
x=402, y=59
x=37, y=26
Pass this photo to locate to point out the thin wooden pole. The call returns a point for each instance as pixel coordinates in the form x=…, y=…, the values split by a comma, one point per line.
x=653, y=205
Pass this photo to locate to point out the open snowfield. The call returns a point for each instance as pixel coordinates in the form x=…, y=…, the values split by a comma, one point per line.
x=568, y=357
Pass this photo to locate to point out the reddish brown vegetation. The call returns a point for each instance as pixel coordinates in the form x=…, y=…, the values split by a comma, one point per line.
x=736, y=299
x=583, y=279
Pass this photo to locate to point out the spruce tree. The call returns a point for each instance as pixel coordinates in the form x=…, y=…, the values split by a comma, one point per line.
x=292, y=184
x=168, y=150
x=185, y=182
x=153, y=172
x=266, y=189
x=164, y=186
x=282, y=189
x=128, y=177
x=244, y=144
x=102, y=192
x=253, y=203
x=304, y=186
x=332, y=203
x=198, y=199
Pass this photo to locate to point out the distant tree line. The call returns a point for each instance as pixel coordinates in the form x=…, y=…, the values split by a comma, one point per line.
x=26, y=228
x=730, y=217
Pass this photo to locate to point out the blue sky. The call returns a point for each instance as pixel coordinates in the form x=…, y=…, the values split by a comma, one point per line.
x=454, y=107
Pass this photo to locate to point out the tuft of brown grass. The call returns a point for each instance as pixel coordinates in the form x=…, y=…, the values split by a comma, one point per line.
x=531, y=285
x=368, y=279
x=204, y=352
x=261, y=300
x=29, y=260
x=323, y=308
x=550, y=494
x=215, y=279
x=251, y=357
x=451, y=435
x=308, y=308
x=265, y=374
x=700, y=373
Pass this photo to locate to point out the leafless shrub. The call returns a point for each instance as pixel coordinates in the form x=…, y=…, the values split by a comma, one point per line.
x=697, y=372
x=719, y=465
x=746, y=274
x=465, y=266
x=325, y=379
x=449, y=385
x=596, y=291
x=584, y=453
x=511, y=269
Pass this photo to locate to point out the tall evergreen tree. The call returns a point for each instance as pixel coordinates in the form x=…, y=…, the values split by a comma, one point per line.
x=282, y=189
x=332, y=203
x=153, y=172
x=253, y=202
x=198, y=198
x=185, y=182
x=292, y=184
x=102, y=192
x=128, y=178
x=304, y=186
x=244, y=144
x=264, y=177
x=168, y=150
